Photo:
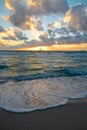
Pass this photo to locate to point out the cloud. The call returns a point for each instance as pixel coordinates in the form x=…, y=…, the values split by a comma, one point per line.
x=24, y=14
x=77, y=38
x=1, y=29
x=46, y=41
x=21, y=17
x=76, y=18
x=56, y=29
x=46, y=7
x=19, y=35
x=33, y=43
x=61, y=34
x=43, y=36
x=12, y=34
x=72, y=28
x=54, y=25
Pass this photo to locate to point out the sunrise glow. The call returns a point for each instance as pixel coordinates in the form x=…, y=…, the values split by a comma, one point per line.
x=73, y=47
x=43, y=25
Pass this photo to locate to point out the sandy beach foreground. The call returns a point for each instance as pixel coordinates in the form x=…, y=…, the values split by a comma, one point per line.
x=72, y=116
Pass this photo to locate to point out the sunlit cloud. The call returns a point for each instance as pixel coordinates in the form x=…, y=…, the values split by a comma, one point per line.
x=56, y=47
x=9, y=45
x=68, y=32
x=76, y=17
x=12, y=34
x=28, y=18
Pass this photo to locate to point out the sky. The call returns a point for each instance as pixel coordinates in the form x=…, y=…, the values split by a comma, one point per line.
x=48, y=25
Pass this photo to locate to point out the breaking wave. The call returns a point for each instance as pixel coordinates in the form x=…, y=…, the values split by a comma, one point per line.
x=67, y=71
x=26, y=96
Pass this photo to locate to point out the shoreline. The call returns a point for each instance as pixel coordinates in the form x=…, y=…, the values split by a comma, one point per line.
x=42, y=94
x=78, y=100
x=69, y=101
x=71, y=116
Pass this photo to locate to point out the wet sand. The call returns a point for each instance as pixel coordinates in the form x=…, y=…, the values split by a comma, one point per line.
x=72, y=116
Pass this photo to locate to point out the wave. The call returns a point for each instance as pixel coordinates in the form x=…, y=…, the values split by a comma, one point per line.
x=3, y=67
x=25, y=96
x=67, y=71
x=71, y=71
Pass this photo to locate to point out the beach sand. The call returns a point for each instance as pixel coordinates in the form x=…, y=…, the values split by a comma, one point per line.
x=72, y=116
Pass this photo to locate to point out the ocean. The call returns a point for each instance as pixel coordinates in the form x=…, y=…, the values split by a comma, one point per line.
x=39, y=80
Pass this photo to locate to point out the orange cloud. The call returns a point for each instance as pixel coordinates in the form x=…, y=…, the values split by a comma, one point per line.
x=76, y=17
x=34, y=3
x=24, y=13
x=10, y=43
x=68, y=17
x=56, y=47
x=9, y=4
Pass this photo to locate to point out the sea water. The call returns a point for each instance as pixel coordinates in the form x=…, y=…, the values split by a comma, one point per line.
x=39, y=80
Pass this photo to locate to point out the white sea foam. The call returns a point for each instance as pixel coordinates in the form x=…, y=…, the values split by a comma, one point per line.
x=26, y=96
